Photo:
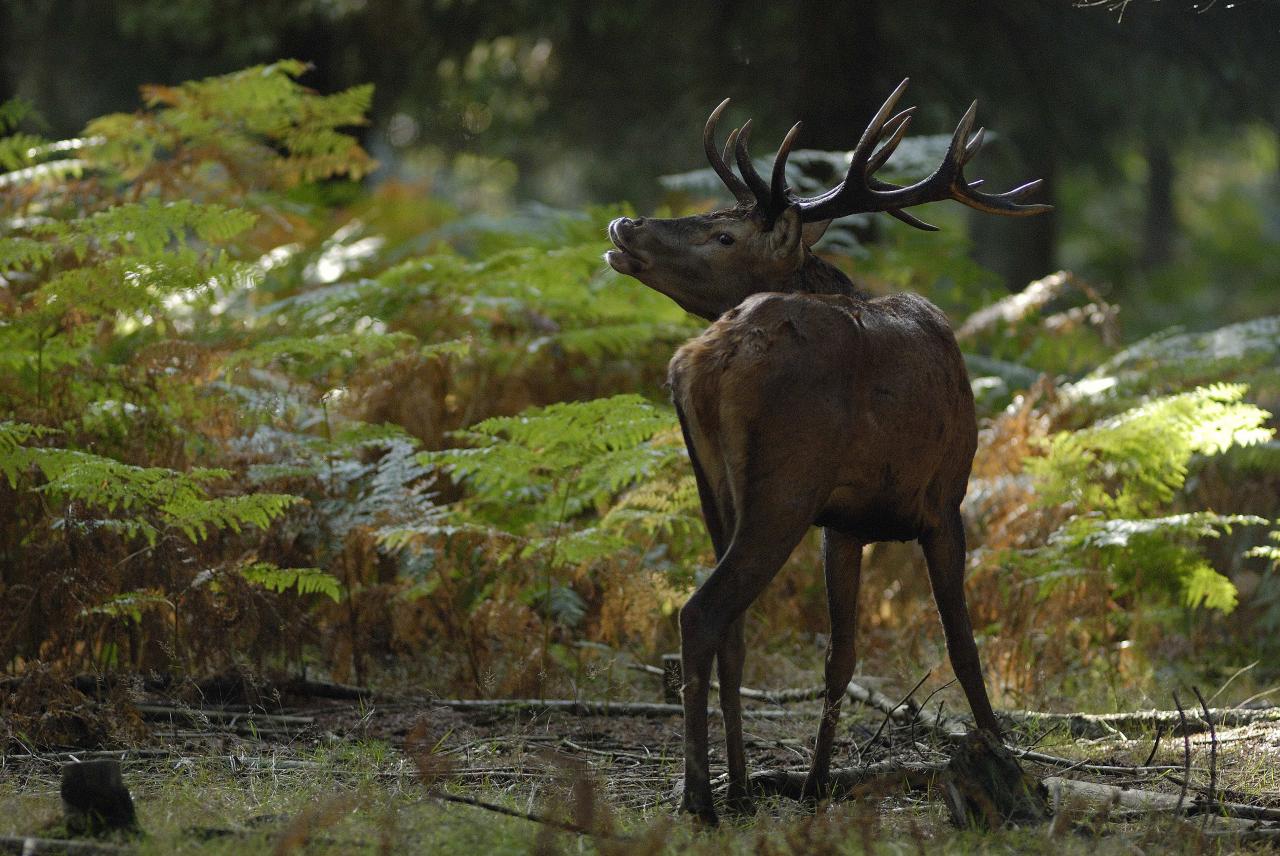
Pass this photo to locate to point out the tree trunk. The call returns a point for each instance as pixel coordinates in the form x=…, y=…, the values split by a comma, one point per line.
x=1020, y=249
x=837, y=87
x=1160, y=222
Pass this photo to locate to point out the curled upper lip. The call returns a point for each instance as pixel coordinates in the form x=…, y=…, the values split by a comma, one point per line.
x=615, y=235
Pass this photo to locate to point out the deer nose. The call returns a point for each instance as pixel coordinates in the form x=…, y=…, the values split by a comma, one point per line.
x=636, y=223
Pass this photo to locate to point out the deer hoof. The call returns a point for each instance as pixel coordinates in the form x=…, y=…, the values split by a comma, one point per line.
x=814, y=792
x=704, y=814
x=739, y=802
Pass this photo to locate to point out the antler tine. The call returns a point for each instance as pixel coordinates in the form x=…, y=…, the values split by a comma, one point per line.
x=739, y=189
x=1003, y=203
x=960, y=153
x=911, y=220
x=874, y=131
x=729, y=143
x=974, y=146
x=853, y=186
x=861, y=192
x=748, y=170
x=895, y=129
x=948, y=172
x=778, y=190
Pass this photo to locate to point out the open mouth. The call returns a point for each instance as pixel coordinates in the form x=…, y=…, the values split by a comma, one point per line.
x=623, y=259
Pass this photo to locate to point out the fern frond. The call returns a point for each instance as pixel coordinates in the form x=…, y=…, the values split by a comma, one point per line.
x=1134, y=462
x=1266, y=551
x=20, y=150
x=321, y=354
x=581, y=452
x=15, y=458
x=194, y=516
x=130, y=605
x=178, y=499
x=148, y=227
x=13, y=112
x=302, y=580
x=24, y=253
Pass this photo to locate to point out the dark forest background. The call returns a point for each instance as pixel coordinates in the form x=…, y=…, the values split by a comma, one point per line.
x=266, y=404
x=592, y=101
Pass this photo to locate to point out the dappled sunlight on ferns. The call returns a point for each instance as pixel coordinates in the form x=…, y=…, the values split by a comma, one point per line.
x=242, y=427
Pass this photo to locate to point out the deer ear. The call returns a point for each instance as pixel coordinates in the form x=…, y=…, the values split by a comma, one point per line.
x=784, y=237
x=813, y=232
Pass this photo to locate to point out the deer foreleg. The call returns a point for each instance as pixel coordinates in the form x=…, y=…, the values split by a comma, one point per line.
x=842, y=566
x=944, y=551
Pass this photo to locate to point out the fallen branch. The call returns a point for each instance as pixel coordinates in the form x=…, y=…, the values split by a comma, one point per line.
x=85, y=755
x=29, y=845
x=1112, y=795
x=1133, y=798
x=213, y=714
x=1265, y=834
x=847, y=782
x=1102, y=724
x=903, y=713
x=1115, y=769
x=786, y=696
x=582, y=708
x=325, y=689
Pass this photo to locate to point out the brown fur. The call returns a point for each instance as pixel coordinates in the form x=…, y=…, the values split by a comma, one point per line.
x=864, y=368
x=804, y=403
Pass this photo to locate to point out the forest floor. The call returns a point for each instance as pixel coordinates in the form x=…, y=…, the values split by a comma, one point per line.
x=426, y=776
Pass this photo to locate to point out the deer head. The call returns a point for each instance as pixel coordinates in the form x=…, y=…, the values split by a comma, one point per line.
x=709, y=263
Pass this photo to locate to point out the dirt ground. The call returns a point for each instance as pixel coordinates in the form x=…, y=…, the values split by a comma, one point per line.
x=527, y=762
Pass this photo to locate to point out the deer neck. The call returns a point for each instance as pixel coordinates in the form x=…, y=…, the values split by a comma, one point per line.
x=817, y=276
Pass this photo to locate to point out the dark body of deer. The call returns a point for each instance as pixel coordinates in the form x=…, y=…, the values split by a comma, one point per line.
x=802, y=410
x=807, y=404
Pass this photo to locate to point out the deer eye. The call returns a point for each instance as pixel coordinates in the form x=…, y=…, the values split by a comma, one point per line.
x=725, y=238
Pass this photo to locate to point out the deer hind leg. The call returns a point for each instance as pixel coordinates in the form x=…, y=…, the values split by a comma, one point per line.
x=766, y=533
x=730, y=657
x=842, y=567
x=944, y=551
x=732, y=652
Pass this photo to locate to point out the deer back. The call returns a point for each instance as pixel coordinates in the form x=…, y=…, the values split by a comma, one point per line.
x=869, y=396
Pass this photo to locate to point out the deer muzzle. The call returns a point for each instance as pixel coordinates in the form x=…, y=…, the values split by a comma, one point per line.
x=625, y=258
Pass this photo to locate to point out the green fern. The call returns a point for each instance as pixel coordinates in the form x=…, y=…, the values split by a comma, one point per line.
x=1133, y=464
x=1157, y=553
x=153, y=498
x=130, y=605
x=15, y=458
x=326, y=354
x=1268, y=552
x=260, y=118
x=1118, y=474
x=301, y=580
x=18, y=150
x=14, y=112
x=552, y=463
x=146, y=228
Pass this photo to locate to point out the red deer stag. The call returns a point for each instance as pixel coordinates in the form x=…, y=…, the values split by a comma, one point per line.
x=806, y=403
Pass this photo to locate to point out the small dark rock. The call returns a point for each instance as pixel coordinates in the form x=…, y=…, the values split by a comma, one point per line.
x=95, y=800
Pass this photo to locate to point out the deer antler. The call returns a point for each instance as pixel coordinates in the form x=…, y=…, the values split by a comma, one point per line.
x=861, y=192
x=740, y=190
